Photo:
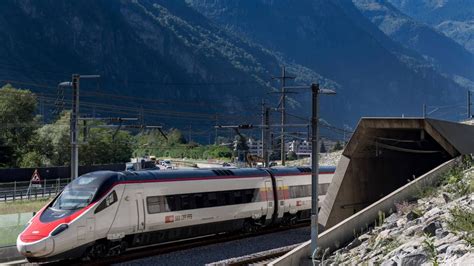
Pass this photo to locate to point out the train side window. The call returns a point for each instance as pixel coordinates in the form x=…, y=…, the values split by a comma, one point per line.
x=300, y=191
x=238, y=197
x=205, y=200
x=248, y=195
x=185, y=202
x=256, y=195
x=228, y=198
x=153, y=204
x=198, y=200
x=221, y=198
x=171, y=202
x=323, y=188
x=109, y=200
x=212, y=199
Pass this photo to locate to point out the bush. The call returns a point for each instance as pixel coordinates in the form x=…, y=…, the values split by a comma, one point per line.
x=291, y=156
x=337, y=146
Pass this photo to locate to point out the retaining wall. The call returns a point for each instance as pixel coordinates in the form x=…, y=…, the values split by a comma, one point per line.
x=342, y=233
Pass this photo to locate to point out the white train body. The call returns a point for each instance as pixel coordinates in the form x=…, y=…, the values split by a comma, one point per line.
x=104, y=213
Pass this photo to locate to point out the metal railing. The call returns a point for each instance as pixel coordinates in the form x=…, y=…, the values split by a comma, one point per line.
x=24, y=190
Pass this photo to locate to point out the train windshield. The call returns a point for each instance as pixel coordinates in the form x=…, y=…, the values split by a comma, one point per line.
x=77, y=194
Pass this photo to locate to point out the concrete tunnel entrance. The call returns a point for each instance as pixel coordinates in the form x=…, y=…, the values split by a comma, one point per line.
x=383, y=155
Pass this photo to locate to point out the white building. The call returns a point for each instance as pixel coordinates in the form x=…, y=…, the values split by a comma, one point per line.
x=255, y=147
x=299, y=147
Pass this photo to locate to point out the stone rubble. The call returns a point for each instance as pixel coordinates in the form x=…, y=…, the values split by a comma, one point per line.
x=418, y=233
x=325, y=159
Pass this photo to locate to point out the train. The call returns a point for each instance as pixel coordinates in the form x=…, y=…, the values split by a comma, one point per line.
x=106, y=213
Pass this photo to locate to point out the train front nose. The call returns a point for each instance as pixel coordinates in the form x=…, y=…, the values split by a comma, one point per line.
x=31, y=246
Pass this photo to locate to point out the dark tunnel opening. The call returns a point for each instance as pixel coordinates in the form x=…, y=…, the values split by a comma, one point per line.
x=386, y=160
x=401, y=156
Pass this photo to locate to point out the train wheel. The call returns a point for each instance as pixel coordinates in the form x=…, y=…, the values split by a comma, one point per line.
x=123, y=246
x=293, y=220
x=249, y=227
x=99, y=250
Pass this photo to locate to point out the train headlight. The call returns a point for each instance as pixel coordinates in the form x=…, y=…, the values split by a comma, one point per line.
x=59, y=229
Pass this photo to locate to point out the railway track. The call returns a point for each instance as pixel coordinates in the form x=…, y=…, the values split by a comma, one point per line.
x=160, y=249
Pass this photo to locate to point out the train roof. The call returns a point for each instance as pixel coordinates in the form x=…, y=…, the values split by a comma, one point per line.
x=296, y=170
x=192, y=173
x=101, y=178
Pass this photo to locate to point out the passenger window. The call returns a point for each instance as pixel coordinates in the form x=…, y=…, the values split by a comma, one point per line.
x=185, y=202
x=248, y=195
x=238, y=197
x=212, y=199
x=198, y=200
x=109, y=200
x=153, y=204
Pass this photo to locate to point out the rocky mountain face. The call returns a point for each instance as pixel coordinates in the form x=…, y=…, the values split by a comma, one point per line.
x=437, y=229
x=335, y=40
x=455, y=18
x=221, y=53
x=447, y=55
x=145, y=48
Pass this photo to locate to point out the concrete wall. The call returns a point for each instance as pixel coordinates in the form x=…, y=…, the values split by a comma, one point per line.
x=382, y=155
x=342, y=233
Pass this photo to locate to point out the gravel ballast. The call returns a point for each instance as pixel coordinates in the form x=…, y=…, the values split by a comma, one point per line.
x=221, y=251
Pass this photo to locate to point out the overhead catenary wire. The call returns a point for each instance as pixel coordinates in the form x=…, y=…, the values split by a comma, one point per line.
x=134, y=99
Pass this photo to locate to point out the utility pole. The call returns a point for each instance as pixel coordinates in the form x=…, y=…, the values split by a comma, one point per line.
x=265, y=129
x=469, y=104
x=216, y=119
x=314, y=166
x=74, y=128
x=189, y=134
x=283, y=79
x=42, y=113
x=314, y=160
x=315, y=163
x=141, y=115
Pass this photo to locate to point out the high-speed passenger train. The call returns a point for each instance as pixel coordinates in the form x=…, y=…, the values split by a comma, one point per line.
x=105, y=213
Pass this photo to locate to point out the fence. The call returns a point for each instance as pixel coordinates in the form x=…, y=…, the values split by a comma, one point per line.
x=24, y=174
x=21, y=190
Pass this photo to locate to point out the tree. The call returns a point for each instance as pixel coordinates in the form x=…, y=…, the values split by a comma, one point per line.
x=50, y=145
x=220, y=152
x=241, y=147
x=337, y=146
x=292, y=156
x=17, y=123
x=103, y=147
x=52, y=142
x=323, y=149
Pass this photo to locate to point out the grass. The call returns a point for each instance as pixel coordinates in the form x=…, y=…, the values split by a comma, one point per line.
x=22, y=206
x=14, y=216
x=390, y=245
x=462, y=221
x=9, y=234
x=430, y=248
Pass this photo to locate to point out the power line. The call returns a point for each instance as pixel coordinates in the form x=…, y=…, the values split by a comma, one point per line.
x=282, y=106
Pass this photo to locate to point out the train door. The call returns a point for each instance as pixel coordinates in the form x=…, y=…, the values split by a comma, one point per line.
x=86, y=231
x=281, y=198
x=269, y=199
x=140, y=205
x=90, y=227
